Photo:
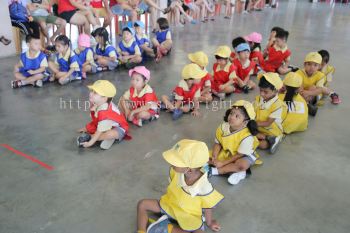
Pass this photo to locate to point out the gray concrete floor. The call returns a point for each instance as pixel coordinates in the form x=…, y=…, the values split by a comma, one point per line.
x=302, y=188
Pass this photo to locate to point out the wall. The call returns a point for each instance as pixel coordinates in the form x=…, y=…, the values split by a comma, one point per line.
x=6, y=30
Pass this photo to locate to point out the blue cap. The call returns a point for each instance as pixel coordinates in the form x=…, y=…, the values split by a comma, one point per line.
x=140, y=24
x=130, y=29
x=242, y=47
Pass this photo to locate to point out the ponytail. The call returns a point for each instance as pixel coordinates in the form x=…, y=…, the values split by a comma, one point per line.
x=253, y=127
x=288, y=99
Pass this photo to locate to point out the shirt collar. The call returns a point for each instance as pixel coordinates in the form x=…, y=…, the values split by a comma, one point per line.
x=66, y=55
x=280, y=49
x=267, y=104
x=35, y=56
x=145, y=90
x=128, y=44
x=197, y=187
x=226, y=68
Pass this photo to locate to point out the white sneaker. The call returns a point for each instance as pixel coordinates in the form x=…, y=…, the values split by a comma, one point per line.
x=38, y=83
x=159, y=226
x=106, y=144
x=235, y=178
x=274, y=143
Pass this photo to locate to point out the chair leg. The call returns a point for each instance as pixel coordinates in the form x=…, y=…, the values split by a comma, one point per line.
x=17, y=38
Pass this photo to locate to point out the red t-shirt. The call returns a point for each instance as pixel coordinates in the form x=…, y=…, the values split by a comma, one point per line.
x=64, y=6
x=96, y=3
x=113, y=2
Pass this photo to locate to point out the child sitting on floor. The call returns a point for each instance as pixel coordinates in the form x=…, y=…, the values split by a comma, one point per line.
x=105, y=54
x=313, y=87
x=185, y=96
x=270, y=112
x=32, y=65
x=190, y=197
x=139, y=103
x=235, y=42
x=328, y=71
x=201, y=59
x=235, y=143
x=224, y=73
x=128, y=50
x=85, y=55
x=254, y=40
x=66, y=67
x=163, y=42
x=108, y=123
x=142, y=40
x=297, y=113
x=244, y=68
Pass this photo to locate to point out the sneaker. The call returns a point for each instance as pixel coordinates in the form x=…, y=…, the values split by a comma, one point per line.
x=137, y=122
x=274, y=143
x=177, y=114
x=335, y=98
x=16, y=84
x=159, y=226
x=84, y=137
x=312, y=109
x=245, y=12
x=106, y=144
x=38, y=83
x=245, y=89
x=235, y=178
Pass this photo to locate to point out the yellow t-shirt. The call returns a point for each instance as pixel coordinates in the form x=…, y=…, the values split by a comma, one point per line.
x=317, y=79
x=185, y=203
x=328, y=71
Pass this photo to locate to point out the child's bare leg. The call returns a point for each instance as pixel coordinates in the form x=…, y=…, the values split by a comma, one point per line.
x=144, y=115
x=136, y=59
x=251, y=84
x=102, y=61
x=108, y=135
x=45, y=31
x=155, y=42
x=206, y=98
x=237, y=166
x=32, y=79
x=229, y=89
x=19, y=76
x=167, y=45
x=143, y=207
x=87, y=68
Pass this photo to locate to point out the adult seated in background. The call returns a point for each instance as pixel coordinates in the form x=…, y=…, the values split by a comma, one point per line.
x=103, y=11
x=40, y=9
x=74, y=12
x=21, y=18
x=132, y=8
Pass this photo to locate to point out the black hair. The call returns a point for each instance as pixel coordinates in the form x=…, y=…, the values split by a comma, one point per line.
x=31, y=37
x=237, y=41
x=218, y=57
x=263, y=83
x=325, y=55
x=163, y=23
x=251, y=125
x=102, y=32
x=109, y=100
x=282, y=34
x=64, y=40
x=126, y=29
x=290, y=93
x=256, y=45
x=276, y=29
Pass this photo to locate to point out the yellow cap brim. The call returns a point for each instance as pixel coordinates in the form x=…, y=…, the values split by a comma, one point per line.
x=172, y=157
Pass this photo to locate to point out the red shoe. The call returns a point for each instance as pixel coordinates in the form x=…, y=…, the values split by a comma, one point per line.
x=335, y=98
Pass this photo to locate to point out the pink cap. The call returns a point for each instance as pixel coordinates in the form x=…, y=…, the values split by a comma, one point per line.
x=141, y=70
x=84, y=40
x=254, y=37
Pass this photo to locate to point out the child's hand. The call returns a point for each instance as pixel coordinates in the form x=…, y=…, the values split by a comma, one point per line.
x=214, y=226
x=131, y=116
x=30, y=72
x=196, y=113
x=218, y=164
x=30, y=18
x=125, y=53
x=221, y=87
x=87, y=144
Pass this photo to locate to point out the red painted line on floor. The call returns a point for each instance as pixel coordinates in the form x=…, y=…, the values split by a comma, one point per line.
x=29, y=157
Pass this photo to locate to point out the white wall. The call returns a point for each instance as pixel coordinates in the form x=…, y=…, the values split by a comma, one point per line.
x=6, y=30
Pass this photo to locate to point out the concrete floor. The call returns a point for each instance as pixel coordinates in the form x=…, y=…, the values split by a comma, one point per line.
x=304, y=187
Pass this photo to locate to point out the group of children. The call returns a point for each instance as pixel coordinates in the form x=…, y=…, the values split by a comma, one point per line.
x=282, y=107
x=68, y=65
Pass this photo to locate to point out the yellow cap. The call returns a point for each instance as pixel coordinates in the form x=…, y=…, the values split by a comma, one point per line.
x=313, y=57
x=272, y=78
x=247, y=106
x=223, y=51
x=104, y=88
x=192, y=71
x=200, y=58
x=187, y=153
x=293, y=80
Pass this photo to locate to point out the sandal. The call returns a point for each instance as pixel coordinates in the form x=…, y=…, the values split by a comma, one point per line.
x=5, y=41
x=16, y=84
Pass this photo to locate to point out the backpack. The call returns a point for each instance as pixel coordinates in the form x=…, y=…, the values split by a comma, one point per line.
x=18, y=12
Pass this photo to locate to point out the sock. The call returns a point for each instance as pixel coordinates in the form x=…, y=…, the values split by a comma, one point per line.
x=24, y=82
x=214, y=171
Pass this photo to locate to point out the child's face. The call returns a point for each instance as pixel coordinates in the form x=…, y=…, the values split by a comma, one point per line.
x=267, y=93
x=34, y=45
x=244, y=55
x=190, y=82
x=137, y=81
x=236, y=118
x=96, y=99
x=99, y=39
x=280, y=42
x=81, y=48
x=272, y=34
x=311, y=68
x=127, y=36
x=138, y=30
x=221, y=61
x=61, y=48
x=323, y=64
x=251, y=44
